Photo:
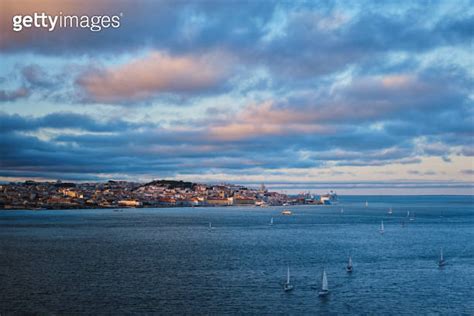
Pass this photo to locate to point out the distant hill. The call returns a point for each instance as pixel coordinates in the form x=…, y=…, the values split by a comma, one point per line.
x=171, y=184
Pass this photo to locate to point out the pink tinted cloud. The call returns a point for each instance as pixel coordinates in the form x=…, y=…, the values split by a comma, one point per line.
x=365, y=99
x=153, y=74
x=241, y=130
x=398, y=81
x=266, y=119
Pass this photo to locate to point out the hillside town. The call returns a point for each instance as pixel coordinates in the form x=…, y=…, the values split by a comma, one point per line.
x=160, y=193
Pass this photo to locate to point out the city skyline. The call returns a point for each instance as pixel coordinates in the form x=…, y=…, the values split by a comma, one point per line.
x=377, y=96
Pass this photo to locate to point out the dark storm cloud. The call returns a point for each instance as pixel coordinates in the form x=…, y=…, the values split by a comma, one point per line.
x=65, y=120
x=155, y=150
x=26, y=154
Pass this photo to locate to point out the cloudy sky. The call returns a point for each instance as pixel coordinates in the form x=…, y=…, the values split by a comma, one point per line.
x=318, y=94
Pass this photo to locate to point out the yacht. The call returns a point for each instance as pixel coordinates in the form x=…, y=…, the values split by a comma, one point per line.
x=349, y=265
x=324, y=285
x=441, y=261
x=286, y=212
x=288, y=286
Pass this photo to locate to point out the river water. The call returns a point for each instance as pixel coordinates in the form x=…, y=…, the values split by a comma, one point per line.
x=167, y=261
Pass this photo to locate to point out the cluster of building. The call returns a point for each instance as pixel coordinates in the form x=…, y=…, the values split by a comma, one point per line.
x=160, y=193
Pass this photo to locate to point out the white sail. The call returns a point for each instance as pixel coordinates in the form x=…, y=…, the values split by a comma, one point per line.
x=408, y=213
x=350, y=262
x=210, y=225
x=441, y=258
x=288, y=275
x=271, y=221
x=382, y=227
x=324, y=285
x=366, y=203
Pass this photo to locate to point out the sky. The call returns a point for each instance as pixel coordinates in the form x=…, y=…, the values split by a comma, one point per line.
x=358, y=96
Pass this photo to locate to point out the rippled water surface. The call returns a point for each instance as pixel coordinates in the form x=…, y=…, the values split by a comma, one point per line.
x=168, y=261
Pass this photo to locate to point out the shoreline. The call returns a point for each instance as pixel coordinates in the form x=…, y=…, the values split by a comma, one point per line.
x=66, y=208
x=151, y=207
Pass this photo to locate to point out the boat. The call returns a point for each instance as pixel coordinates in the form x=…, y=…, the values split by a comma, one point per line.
x=324, y=285
x=366, y=203
x=390, y=211
x=288, y=286
x=286, y=212
x=408, y=213
x=441, y=261
x=210, y=226
x=329, y=198
x=381, y=230
x=271, y=221
x=349, y=265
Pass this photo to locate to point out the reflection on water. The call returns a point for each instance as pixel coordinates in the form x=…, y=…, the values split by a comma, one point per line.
x=167, y=260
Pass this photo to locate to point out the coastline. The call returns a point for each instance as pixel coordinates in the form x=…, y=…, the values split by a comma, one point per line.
x=345, y=198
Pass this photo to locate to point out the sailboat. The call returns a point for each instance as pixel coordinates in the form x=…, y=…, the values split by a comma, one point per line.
x=210, y=226
x=366, y=203
x=271, y=221
x=408, y=213
x=342, y=210
x=288, y=286
x=324, y=285
x=381, y=230
x=441, y=261
x=390, y=211
x=349, y=265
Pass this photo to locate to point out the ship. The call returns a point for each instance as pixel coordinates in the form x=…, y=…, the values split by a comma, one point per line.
x=329, y=198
